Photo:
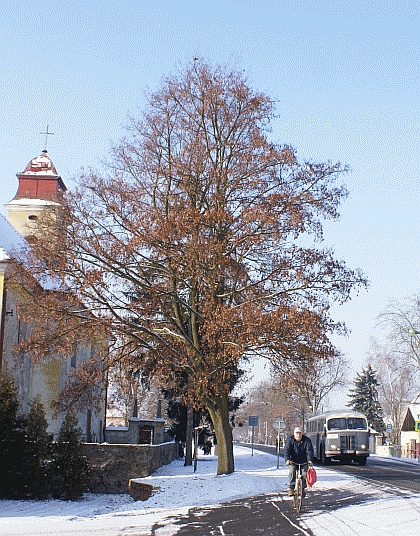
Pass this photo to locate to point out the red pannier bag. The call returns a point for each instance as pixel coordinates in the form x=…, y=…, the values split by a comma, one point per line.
x=310, y=476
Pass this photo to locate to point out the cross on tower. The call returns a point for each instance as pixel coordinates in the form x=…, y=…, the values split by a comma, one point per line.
x=46, y=137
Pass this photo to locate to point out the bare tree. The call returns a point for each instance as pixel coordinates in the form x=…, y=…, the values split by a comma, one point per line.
x=186, y=249
x=268, y=401
x=296, y=390
x=402, y=322
x=397, y=384
x=130, y=392
x=313, y=381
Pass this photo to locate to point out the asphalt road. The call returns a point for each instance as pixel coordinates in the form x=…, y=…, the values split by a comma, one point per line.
x=263, y=515
x=396, y=472
x=273, y=514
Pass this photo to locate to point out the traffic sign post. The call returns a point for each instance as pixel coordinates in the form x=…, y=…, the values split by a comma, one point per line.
x=252, y=421
x=278, y=425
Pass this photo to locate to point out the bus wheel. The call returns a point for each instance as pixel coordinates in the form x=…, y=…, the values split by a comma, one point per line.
x=324, y=459
x=362, y=460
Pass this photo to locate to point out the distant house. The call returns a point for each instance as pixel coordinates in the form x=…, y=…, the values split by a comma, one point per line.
x=408, y=428
x=39, y=186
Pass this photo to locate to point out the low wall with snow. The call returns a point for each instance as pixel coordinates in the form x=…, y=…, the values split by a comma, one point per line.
x=113, y=466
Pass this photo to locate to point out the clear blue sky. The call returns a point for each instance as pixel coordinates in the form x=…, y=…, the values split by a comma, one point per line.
x=345, y=75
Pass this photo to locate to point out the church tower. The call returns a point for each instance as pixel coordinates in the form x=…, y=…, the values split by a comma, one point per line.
x=39, y=187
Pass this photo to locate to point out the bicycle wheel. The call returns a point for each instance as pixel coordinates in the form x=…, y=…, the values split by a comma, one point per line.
x=295, y=505
x=298, y=495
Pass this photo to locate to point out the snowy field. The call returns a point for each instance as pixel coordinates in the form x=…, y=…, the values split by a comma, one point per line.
x=381, y=510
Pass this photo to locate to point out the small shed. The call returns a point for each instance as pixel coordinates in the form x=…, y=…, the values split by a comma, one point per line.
x=138, y=432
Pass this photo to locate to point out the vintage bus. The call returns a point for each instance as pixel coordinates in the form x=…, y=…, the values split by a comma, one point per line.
x=340, y=435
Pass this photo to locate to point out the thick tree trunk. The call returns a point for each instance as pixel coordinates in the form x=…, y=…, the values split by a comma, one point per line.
x=189, y=435
x=219, y=413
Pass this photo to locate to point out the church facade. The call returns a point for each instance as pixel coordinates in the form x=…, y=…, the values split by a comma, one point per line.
x=39, y=187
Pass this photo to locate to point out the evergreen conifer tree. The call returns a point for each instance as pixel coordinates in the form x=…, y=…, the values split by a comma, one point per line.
x=38, y=453
x=364, y=398
x=70, y=467
x=12, y=440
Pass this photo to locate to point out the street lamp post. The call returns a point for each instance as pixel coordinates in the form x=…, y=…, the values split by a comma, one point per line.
x=415, y=343
x=413, y=332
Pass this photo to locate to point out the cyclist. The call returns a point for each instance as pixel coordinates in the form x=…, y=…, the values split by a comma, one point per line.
x=298, y=449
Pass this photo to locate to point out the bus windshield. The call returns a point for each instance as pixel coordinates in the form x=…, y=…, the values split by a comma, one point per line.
x=357, y=423
x=342, y=423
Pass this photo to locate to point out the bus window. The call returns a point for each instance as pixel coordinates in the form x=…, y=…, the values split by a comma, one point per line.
x=357, y=423
x=338, y=423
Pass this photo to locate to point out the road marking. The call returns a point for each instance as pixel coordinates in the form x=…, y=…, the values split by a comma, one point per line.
x=303, y=531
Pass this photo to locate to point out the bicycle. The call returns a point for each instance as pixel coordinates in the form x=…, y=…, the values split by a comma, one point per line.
x=298, y=491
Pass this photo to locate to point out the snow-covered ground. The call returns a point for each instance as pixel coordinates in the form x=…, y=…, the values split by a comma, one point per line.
x=380, y=510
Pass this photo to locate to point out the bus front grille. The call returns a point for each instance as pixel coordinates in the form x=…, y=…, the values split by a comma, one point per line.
x=348, y=443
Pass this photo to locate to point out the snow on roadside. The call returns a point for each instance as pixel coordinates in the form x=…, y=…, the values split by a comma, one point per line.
x=177, y=488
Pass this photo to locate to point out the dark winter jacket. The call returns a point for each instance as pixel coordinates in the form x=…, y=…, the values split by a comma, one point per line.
x=298, y=451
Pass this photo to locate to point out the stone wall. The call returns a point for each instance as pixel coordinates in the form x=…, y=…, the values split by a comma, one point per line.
x=114, y=465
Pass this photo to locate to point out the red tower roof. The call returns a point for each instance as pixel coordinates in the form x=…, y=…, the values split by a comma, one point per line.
x=40, y=165
x=40, y=181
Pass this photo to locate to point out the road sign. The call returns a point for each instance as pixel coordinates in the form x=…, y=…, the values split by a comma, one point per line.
x=252, y=421
x=388, y=427
x=279, y=424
